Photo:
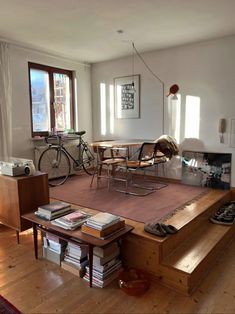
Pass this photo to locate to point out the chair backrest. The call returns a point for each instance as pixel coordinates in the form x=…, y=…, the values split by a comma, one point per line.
x=147, y=151
x=120, y=152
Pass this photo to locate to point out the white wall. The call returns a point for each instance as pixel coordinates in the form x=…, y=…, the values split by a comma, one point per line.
x=21, y=121
x=205, y=70
x=149, y=125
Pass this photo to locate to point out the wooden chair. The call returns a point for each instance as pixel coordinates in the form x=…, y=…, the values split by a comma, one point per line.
x=129, y=167
x=106, y=166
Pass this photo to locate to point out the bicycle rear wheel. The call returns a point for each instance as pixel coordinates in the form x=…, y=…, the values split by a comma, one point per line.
x=88, y=161
x=56, y=164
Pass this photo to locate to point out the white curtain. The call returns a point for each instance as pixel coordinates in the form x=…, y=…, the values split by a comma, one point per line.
x=5, y=103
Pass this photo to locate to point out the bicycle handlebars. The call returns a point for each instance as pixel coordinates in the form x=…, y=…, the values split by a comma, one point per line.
x=49, y=138
x=59, y=137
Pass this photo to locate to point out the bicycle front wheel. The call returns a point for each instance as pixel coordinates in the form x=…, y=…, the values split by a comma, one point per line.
x=56, y=164
x=88, y=161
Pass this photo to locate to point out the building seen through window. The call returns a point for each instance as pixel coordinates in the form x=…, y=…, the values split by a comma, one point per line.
x=51, y=97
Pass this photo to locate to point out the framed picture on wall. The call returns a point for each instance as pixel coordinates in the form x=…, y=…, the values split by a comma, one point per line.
x=127, y=97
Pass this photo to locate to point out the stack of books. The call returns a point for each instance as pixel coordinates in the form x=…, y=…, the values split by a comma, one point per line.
x=72, y=220
x=103, y=225
x=106, y=265
x=75, y=256
x=53, y=248
x=53, y=210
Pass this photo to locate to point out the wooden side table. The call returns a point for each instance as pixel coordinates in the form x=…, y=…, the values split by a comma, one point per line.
x=73, y=236
x=21, y=195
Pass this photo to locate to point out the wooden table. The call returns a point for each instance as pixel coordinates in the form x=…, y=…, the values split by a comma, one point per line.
x=72, y=236
x=132, y=144
x=120, y=143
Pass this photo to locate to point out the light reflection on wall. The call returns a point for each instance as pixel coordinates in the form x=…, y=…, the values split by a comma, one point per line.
x=111, y=109
x=118, y=100
x=175, y=108
x=67, y=105
x=184, y=118
x=76, y=104
x=192, y=117
x=103, y=108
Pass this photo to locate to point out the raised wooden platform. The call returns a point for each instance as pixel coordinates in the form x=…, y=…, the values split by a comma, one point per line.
x=182, y=260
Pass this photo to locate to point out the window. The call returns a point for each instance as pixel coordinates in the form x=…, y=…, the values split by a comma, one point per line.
x=51, y=98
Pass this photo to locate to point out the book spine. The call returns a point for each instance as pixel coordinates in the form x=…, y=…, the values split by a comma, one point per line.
x=105, y=251
x=100, y=261
x=99, y=226
x=53, y=210
x=78, y=271
x=102, y=233
x=107, y=272
x=48, y=216
x=106, y=266
x=102, y=283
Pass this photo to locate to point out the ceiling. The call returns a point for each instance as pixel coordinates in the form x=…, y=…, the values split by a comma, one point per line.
x=86, y=30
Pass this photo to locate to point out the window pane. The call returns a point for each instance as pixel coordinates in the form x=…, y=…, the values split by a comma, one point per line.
x=62, y=102
x=40, y=100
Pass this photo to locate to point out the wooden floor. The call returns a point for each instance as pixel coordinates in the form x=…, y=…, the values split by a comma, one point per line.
x=39, y=286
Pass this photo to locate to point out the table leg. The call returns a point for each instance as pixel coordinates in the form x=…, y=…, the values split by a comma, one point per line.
x=90, y=263
x=35, y=240
x=18, y=237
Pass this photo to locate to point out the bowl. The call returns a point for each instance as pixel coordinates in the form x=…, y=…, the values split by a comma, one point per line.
x=134, y=282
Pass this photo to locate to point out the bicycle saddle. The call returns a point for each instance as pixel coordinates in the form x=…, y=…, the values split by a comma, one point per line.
x=80, y=133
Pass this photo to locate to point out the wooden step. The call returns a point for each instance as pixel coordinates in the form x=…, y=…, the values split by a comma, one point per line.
x=182, y=260
x=208, y=202
x=196, y=255
x=192, y=217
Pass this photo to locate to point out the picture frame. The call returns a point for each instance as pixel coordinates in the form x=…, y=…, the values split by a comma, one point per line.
x=127, y=98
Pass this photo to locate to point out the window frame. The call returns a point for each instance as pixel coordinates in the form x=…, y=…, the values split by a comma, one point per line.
x=51, y=70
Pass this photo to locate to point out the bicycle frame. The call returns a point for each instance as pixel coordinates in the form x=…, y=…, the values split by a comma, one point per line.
x=56, y=159
x=82, y=146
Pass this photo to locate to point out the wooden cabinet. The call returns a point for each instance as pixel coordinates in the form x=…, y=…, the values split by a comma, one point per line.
x=21, y=195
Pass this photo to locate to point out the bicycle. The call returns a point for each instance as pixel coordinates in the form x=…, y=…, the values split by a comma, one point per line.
x=55, y=160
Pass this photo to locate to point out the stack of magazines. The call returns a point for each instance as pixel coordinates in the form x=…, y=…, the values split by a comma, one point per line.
x=107, y=265
x=76, y=255
x=71, y=221
x=53, y=210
